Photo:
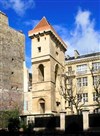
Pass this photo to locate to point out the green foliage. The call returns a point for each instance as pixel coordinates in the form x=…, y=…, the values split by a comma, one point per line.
x=23, y=125
x=13, y=124
x=5, y=116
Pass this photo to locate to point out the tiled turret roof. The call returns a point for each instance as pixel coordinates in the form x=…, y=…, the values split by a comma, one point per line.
x=42, y=26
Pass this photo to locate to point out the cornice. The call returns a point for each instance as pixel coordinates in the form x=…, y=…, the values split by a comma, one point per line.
x=82, y=60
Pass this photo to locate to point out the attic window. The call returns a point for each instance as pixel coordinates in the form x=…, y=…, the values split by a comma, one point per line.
x=39, y=49
x=38, y=39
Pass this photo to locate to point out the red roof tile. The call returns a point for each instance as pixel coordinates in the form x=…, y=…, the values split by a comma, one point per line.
x=42, y=26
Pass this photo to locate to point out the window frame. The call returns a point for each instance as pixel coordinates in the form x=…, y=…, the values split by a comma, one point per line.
x=83, y=81
x=95, y=66
x=81, y=68
x=94, y=96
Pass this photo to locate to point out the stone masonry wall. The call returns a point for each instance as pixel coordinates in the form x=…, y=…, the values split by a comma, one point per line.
x=11, y=62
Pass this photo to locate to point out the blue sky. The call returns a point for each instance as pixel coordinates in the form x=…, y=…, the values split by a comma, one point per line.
x=76, y=21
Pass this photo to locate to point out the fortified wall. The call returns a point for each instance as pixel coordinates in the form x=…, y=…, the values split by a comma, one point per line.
x=11, y=64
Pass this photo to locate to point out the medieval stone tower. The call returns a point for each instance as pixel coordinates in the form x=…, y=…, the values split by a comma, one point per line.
x=11, y=65
x=48, y=51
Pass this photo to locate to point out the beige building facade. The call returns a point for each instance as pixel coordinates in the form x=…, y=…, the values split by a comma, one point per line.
x=48, y=51
x=51, y=72
x=85, y=70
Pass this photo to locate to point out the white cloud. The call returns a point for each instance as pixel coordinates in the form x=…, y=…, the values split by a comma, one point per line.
x=83, y=37
x=82, y=18
x=19, y=6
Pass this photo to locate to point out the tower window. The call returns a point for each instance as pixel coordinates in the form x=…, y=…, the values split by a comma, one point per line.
x=41, y=72
x=38, y=39
x=42, y=105
x=56, y=53
x=39, y=49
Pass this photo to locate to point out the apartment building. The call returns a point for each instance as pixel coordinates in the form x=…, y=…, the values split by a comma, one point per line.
x=85, y=73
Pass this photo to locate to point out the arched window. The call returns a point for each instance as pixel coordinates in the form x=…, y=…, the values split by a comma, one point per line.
x=41, y=72
x=42, y=105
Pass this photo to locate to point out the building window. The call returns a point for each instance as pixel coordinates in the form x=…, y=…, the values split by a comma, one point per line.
x=85, y=97
x=41, y=72
x=42, y=105
x=38, y=39
x=81, y=68
x=69, y=69
x=82, y=97
x=56, y=53
x=94, y=96
x=82, y=81
x=96, y=66
x=39, y=49
x=56, y=72
x=96, y=80
x=79, y=97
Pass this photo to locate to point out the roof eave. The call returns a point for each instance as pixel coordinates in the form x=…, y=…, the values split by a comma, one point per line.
x=33, y=33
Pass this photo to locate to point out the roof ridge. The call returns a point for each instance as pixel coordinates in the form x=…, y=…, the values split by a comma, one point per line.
x=43, y=22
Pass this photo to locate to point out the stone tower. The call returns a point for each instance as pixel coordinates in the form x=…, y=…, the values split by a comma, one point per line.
x=11, y=65
x=48, y=51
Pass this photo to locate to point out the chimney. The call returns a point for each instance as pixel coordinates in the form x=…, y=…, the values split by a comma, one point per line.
x=67, y=57
x=3, y=18
x=76, y=54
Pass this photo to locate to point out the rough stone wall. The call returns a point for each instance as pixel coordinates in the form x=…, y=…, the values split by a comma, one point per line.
x=11, y=60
